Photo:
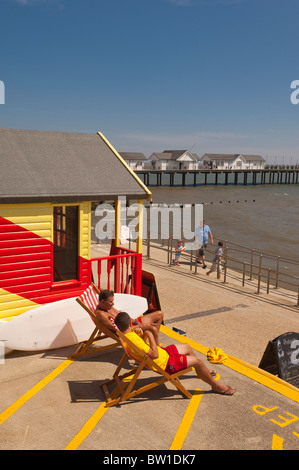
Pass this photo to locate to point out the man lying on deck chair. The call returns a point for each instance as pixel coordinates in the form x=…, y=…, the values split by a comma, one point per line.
x=149, y=322
x=173, y=358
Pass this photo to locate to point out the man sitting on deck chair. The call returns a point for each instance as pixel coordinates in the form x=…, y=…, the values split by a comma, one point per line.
x=105, y=309
x=173, y=358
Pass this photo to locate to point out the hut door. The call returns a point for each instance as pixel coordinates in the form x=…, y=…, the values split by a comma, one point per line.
x=66, y=239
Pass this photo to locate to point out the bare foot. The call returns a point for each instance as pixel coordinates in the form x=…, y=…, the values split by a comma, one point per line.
x=224, y=390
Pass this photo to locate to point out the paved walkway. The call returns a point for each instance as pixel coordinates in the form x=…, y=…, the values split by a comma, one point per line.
x=49, y=401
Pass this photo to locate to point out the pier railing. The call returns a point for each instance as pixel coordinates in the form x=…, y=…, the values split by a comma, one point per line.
x=219, y=176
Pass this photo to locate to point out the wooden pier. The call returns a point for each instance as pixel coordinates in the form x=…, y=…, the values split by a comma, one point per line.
x=215, y=177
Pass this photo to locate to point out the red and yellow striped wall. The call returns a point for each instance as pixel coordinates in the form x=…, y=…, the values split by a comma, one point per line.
x=26, y=257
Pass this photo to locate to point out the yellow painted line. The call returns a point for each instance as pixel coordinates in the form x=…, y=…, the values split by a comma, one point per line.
x=242, y=367
x=263, y=377
x=183, y=339
x=33, y=391
x=277, y=442
x=87, y=428
x=93, y=420
x=186, y=422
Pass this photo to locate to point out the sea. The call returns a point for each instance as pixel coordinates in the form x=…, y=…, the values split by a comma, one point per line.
x=259, y=217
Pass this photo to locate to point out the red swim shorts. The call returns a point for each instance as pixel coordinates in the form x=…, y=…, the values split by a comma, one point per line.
x=176, y=361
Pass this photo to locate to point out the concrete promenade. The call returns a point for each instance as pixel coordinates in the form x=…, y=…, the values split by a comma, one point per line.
x=49, y=401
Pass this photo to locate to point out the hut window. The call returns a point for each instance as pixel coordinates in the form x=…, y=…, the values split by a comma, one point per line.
x=65, y=243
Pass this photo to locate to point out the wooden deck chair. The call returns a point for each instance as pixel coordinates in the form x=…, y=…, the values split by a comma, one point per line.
x=125, y=391
x=89, y=301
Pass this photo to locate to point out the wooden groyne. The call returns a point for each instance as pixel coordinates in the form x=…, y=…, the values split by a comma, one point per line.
x=214, y=177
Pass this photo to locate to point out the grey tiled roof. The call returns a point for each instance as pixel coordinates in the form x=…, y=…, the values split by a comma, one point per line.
x=132, y=156
x=43, y=166
x=233, y=156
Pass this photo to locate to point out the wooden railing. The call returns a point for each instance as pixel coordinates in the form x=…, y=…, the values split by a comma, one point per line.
x=120, y=272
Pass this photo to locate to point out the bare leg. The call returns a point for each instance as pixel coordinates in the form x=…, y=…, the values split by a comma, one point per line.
x=152, y=322
x=153, y=317
x=201, y=370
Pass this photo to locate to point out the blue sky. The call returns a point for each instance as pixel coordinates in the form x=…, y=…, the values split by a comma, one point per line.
x=206, y=75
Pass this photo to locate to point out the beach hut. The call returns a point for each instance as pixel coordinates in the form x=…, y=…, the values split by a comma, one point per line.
x=231, y=161
x=135, y=160
x=173, y=160
x=48, y=183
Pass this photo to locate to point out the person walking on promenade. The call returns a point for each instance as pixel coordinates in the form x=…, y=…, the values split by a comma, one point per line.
x=217, y=261
x=203, y=234
x=178, y=251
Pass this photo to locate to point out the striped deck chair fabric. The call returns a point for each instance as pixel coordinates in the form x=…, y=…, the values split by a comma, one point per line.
x=90, y=299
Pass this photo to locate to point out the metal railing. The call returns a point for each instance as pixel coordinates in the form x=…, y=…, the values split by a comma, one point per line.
x=258, y=266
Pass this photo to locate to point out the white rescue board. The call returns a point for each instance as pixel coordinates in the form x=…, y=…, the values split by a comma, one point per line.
x=3, y=341
x=134, y=305
x=59, y=324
